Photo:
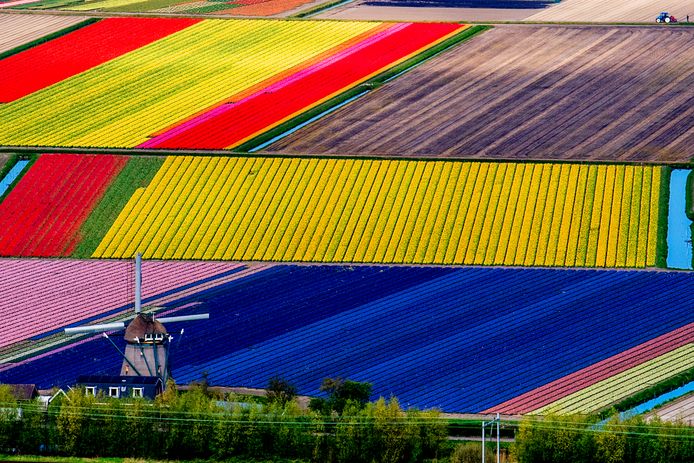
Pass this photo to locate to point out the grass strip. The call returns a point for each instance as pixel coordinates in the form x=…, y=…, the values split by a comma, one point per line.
x=663, y=208
x=9, y=164
x=688, y=194
x=211, y=8
x=56, y=459
x=47, y=38
x=137, y=173
x=11, y=161
x=652, y=392
x=319, y=8
x=370, y=84
x=146, y=5
x=689, y=204
x=49, y=4
x=43, y=5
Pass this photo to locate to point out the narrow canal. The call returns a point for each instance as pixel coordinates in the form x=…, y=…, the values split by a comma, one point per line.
x=679, y=235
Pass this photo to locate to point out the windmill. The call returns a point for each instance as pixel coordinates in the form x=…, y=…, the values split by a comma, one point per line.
x=147, y=341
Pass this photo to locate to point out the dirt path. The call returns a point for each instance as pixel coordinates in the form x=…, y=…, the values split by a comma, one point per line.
x=597, y=93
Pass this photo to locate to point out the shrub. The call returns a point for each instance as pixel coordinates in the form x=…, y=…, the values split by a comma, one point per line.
x=471, y=453
x=342, y=393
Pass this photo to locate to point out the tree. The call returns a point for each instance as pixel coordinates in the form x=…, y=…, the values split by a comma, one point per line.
x=170, y=394
x=77, y=433
x=341, y=393
x=280, y=391
x=9, y=416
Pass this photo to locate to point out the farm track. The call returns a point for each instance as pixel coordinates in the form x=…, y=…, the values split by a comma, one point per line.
x=16, y=30
x=598, y=93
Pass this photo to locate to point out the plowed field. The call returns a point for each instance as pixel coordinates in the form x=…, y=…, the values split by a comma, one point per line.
x=613, y=10
x=16, y=29
x=606, y=93
x=678, y=410
x=589, y=11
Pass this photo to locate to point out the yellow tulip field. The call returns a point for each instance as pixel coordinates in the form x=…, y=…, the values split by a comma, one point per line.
x=392, y=211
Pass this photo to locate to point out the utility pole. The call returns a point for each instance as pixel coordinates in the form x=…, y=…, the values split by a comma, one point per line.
x=496, y=420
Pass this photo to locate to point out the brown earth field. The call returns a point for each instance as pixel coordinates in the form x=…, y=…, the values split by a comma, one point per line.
x=614, y=10
x=528, y=92
x=681, y=409
x=590, y=11
x=18, y=29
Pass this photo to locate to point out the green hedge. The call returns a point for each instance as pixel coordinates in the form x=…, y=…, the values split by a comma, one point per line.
x=689, y=204
x=578, y=439
x=664, y=206
x=195, y=426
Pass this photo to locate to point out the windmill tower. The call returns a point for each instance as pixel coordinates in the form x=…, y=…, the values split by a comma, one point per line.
x=147, y=341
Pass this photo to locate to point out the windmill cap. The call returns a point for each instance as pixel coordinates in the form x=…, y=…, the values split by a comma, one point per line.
x=143, y=325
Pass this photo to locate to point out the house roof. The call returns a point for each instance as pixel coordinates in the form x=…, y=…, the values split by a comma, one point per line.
x=23, y=391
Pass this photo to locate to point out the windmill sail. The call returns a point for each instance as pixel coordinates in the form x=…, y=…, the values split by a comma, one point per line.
x=147, y=341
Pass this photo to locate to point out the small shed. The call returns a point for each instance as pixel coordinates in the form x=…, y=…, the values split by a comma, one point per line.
x=24, y=392
x=121, y=386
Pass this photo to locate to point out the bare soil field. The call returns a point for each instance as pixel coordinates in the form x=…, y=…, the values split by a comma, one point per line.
x=359, y=11
x=614, y=10
x=528, y=92
x=590, y=11
x=681, y=409
x=16, y=29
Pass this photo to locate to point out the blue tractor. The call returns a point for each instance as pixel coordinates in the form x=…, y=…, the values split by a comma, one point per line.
x=665, y=17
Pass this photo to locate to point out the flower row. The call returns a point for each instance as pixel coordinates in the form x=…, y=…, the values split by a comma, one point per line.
x=481, y=213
